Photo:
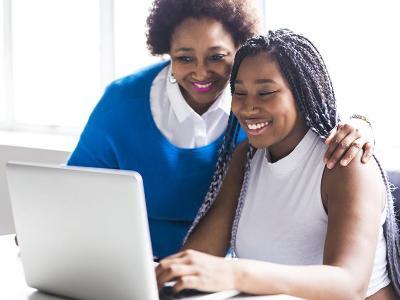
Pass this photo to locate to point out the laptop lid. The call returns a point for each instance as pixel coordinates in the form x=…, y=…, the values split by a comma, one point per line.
x=17, y=153
x=83, y=232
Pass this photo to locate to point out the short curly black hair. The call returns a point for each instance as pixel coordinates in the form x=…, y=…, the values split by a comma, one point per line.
x=238, y=17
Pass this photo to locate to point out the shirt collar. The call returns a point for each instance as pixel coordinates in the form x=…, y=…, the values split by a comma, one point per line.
x=223, y=101
x=183, y=110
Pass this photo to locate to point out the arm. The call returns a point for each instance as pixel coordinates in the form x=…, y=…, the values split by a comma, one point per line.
x=354, y=201
x=347, y=139
x=204, y=237
x=92, y=150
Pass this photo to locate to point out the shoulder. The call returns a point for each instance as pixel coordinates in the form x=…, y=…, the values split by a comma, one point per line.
x=356, y=172
x=139, y=81
x=356, y=181
x=122, y=94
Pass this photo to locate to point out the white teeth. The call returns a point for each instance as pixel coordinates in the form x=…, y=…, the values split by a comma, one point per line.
x=203, y=86
x=257, y=125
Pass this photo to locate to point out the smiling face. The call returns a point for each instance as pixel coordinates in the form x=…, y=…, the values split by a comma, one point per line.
x=266, y=107
x=202, y=54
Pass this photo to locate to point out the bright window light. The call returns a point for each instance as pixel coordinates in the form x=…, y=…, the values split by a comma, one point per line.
x=65, y=52
x=359, y=42
x=56, y=61
x=2, y=88
x=130, y=39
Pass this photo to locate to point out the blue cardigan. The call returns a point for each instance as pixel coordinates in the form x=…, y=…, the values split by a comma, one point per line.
x=121, y=134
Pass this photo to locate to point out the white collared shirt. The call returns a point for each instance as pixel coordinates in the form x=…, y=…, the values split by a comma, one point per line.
x=178, y=122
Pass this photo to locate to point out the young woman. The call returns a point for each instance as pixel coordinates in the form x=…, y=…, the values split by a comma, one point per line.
x=296, y=226
x=168, y=120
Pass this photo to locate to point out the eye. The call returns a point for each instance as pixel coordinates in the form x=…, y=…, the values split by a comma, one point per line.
x=185, y=59
x=266, y=93
x=239, y=93
x=217, y=57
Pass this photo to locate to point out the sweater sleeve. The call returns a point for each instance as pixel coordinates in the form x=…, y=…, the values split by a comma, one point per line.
x=96, y=144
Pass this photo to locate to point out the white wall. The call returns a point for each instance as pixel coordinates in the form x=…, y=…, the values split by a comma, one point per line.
x=359, y=42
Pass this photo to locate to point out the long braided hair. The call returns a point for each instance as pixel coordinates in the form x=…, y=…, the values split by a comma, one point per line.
x=304, y=69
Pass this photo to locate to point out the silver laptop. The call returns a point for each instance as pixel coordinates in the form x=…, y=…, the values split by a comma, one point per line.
x=83, y=232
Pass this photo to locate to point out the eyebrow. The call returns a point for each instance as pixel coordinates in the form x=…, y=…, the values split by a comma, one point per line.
x=258, y=81
x=185, y=49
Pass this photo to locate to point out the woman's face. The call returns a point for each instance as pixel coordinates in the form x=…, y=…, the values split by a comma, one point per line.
x=266, y=107
x=202, y=54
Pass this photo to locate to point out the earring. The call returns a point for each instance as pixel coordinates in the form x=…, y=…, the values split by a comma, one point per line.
x=172, y=78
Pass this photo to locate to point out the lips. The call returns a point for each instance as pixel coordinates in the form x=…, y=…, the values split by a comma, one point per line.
x=202, y=86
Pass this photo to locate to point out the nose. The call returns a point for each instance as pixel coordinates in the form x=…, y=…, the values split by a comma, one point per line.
x=201, y=71
x=249, y=106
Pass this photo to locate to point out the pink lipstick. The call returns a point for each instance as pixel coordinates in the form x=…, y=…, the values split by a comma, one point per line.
x=202, y=87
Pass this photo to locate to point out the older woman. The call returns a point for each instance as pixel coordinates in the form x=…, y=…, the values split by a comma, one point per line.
x=167, y=121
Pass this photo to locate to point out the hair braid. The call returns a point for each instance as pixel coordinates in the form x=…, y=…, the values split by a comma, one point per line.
x=224, y=157
x=242, y=196
x=391, y=232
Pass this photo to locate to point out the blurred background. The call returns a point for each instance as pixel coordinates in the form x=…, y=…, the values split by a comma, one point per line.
x=57, y=56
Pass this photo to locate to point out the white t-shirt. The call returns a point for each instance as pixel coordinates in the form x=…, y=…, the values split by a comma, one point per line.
x=283, y=219
x=178, y=122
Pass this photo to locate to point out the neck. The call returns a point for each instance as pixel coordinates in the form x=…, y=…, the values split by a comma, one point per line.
x=199, y=108
x=287, y=145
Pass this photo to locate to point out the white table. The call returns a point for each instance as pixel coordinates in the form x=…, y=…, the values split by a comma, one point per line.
x=14, y=287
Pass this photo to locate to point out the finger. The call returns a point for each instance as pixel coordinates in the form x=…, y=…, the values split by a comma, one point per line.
x=176, y=255
x=348, y=129
x=346, y=135
x=187, y=282
x=334, y=142
x=352, y=151
x=187, y=256
x=167, y=262
x=368, y=152
x=174, y=272
x=331, y=135
x=344, y=145
x=183, y=253
x=165, y=275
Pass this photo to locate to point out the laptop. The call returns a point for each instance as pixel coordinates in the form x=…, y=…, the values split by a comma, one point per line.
x=83, y=233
